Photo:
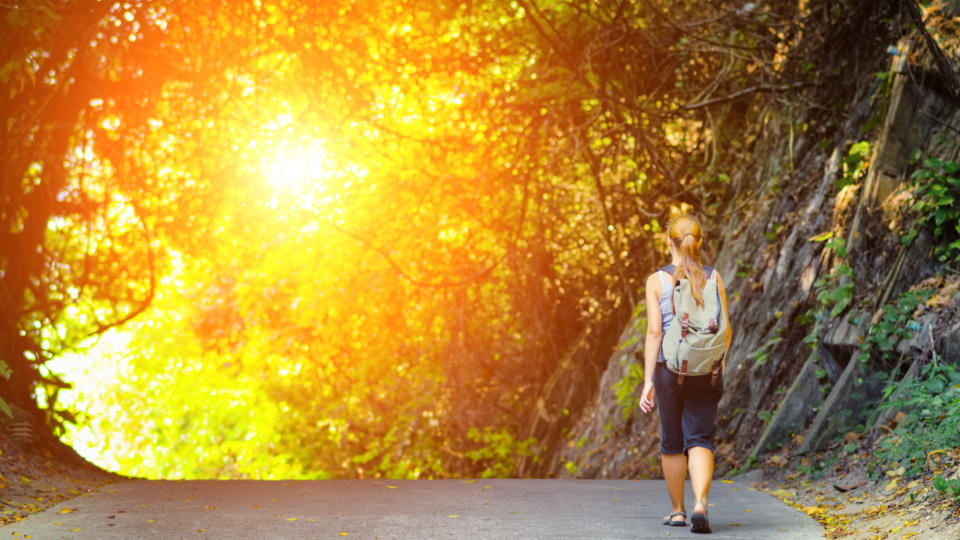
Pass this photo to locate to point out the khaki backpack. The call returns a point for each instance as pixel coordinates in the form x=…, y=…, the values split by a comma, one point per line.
x=694, y=343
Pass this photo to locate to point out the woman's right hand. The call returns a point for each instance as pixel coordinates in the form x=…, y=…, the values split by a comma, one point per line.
x=647, y=396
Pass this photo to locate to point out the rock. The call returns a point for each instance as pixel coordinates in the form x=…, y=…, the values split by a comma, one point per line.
x=948, y=344
x=797, y=408
x=922, y=339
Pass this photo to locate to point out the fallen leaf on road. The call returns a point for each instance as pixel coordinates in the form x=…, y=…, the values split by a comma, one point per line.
x=727, y=481
x=454, y=515
x=734, y=524
x=291, y=519
x=67, y=510
x=392, y=487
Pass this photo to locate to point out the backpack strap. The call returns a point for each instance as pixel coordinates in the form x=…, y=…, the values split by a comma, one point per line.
x=664, y=281
x=715, y=374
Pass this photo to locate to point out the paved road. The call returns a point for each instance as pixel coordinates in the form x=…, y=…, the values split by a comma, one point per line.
x=405, y=509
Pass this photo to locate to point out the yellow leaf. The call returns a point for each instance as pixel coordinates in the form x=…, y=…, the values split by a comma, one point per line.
x=343, y=534
x=291, y=519
x=747, y=510
x=67, y=510
x=782, y=494
x=256, y=506
x=734, y=524
x=74, y=530
x=149, y=521
x=454, y=515
x=811, y=510
x=24, y=479
x=727, y=481
x=392, y=487
x=892, y=485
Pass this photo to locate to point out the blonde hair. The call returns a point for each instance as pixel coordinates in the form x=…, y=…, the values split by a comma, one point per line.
x=685, y=234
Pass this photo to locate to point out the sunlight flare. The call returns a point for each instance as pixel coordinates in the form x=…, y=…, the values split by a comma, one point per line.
x=298, y=168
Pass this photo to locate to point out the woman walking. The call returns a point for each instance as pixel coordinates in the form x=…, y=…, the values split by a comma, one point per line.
x=688, y=406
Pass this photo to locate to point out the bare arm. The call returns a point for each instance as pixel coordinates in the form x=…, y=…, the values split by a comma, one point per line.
x=651, y=346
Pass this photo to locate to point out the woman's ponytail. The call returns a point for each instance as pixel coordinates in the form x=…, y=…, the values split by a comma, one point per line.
x=686, y=236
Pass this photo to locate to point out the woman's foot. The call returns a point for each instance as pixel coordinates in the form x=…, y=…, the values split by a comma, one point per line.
x=676, y=519
x=699, y=522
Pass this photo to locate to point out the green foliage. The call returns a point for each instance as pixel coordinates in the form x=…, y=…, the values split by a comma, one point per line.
x=950, y=488
x=895, y=323
x=835, y=290
x=762, y=354
x=929, y=419
x=854, y=165
x=500, y=452
x=936, y=188
x=775, y=233
x=818, y=466
x=626, y=389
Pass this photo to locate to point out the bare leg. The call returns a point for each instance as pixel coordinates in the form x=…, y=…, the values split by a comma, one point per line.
x=701, y=474
x=675, y=472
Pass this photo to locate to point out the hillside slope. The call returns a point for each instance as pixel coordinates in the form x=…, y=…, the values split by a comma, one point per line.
x=837, y=288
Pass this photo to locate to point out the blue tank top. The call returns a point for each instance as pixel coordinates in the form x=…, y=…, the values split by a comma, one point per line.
x=666, y=300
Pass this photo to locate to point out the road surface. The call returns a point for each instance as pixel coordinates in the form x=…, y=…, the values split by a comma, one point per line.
x=494, y=509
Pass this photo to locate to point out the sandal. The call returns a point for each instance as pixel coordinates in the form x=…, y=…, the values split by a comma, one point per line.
x=682, y=522
x=700, y=523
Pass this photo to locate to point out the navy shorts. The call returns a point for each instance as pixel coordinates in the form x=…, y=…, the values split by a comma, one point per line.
x=688, y=412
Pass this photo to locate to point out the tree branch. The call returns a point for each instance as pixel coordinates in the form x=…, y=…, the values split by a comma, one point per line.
x=745, y=92
x=944, y=65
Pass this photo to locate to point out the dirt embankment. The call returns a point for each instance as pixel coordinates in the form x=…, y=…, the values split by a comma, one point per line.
x=33, y=479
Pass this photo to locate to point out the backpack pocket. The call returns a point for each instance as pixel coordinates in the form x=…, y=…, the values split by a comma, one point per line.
x=700, y=357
